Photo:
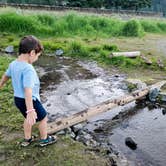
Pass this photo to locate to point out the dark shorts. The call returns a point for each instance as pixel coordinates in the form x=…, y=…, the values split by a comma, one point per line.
x=20, y=104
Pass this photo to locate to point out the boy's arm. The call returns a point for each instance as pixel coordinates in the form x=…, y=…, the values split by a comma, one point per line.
x=4, y=79
x=31, y=115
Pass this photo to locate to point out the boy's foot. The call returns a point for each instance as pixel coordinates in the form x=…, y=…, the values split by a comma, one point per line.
x=49, y=140
x=27, y=142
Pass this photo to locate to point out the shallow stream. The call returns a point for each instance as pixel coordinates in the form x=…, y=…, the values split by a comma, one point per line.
x=70, y=86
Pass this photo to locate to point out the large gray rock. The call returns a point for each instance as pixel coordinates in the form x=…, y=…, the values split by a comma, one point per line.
x=9, y=49
x=59, y=52
x=153, y=93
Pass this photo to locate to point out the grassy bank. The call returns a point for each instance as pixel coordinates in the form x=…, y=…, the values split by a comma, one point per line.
x=98, y=49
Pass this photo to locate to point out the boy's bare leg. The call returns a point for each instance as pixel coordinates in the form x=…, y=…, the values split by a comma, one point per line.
x=43, y=128
x=27, y=130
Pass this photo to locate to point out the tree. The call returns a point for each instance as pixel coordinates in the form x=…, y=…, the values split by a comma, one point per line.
x=114, y=3
x=129, y=4
x=117, y=4
x=86, y=3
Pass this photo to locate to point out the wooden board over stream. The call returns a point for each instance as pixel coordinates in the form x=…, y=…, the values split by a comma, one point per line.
x=74, y=119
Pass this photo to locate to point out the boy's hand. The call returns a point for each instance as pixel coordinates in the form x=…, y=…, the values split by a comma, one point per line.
x=31, y=117
x=3, y=80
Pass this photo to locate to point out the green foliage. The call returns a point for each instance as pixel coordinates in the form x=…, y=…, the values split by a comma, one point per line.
x=162, y=26
x=71, y=24
x=67, y=25
x=52, y=46
x=132, y=28
x=77, y=49
x=127, y=4
x=150, y=26
x=46, y=19
x=110, y=47
x=124, y=62
x=11, y=22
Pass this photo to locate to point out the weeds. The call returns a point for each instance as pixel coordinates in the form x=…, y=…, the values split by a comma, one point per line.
x=72, y=24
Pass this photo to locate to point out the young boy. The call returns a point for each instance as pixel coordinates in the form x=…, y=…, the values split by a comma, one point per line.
x=26, y=87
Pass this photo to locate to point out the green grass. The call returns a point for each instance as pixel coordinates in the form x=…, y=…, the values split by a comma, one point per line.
x=71, y=24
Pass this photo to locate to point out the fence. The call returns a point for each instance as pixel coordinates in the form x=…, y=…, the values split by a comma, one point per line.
x=89, y=10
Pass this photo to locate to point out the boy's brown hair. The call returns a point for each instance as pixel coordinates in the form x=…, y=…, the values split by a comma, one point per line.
x=29, y=43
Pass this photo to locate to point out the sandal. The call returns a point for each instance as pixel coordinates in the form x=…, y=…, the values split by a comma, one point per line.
x=49, y=140
x=27, y=142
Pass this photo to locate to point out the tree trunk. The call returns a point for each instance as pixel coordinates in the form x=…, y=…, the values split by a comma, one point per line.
x=126, y=54
x=63, y=123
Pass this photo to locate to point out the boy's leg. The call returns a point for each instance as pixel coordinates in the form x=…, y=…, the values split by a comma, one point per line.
x=43, y=128
x=27, y=130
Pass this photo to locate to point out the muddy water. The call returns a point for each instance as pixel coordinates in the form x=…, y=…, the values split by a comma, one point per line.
x=69, y=86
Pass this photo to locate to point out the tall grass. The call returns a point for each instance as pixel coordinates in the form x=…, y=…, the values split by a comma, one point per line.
x=11, y=22
x=71, y=24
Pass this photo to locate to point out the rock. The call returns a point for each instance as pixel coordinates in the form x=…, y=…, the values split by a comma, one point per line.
x=48, y=105
x=116, y=75
x=160, y=63
x=98, y=130
x=73, y=135
x=123, y=86
x=77, y=128
x=163, y=111
x=130, y=143
x=87, y=140
x=162, y=96
x=138, y=83
x=68, y=130
x=59, y=52
x=65, y=132
x=9, y=50
x=62, y=132
x=153, y=93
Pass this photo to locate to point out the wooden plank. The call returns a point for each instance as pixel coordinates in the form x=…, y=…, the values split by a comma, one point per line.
x=132, y=54
x=63, y=123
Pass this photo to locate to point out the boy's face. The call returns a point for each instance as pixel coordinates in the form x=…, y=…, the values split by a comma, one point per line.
x=33, y=56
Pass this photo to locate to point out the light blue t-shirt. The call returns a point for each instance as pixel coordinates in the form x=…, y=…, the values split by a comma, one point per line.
x=23, y=75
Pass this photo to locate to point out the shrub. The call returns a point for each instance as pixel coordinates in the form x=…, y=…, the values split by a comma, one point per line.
x=77, y=49
x=150, y=26
x=132, y=28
